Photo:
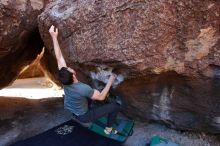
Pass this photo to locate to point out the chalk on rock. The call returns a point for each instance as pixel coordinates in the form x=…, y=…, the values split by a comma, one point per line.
x=103, y=76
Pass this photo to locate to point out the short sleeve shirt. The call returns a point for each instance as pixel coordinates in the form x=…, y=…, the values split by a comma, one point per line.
x=76, y=97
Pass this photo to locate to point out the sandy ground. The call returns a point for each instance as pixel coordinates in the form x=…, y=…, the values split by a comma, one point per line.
x=21, y=117
x=32, y=88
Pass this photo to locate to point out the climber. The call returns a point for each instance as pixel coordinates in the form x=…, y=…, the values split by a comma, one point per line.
x=77, y=93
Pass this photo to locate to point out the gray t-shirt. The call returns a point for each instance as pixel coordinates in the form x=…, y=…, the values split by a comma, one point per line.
x=76, y=97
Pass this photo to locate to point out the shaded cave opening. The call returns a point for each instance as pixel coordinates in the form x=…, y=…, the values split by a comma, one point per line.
x=33, y=82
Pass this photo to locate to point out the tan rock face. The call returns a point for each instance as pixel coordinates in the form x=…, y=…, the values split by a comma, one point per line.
x=19, y=37
x=199, y=48
x=178, y=40
x=34, y=69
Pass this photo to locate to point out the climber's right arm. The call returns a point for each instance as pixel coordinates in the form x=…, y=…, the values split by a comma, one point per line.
x=59, y=56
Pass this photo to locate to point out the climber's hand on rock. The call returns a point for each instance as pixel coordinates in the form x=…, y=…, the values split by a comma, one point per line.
x=113, y=77
x=53, y=32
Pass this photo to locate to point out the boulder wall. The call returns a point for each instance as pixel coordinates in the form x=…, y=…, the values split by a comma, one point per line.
x=167, y=51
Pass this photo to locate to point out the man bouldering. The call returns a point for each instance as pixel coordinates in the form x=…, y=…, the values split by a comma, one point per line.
x=77, y=93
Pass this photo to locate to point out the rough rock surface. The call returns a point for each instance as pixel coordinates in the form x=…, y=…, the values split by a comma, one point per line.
x=142, y=36
x=19, y=36
x=178, y=40
x=185, y=103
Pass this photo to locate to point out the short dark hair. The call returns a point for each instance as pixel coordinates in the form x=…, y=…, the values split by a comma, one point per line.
x=65, y=76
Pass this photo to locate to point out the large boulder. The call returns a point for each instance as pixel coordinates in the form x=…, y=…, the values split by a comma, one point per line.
x=168, y=52
x=19, y=36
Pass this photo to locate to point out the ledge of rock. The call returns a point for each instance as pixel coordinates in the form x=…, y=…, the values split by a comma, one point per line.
x=138, y=36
